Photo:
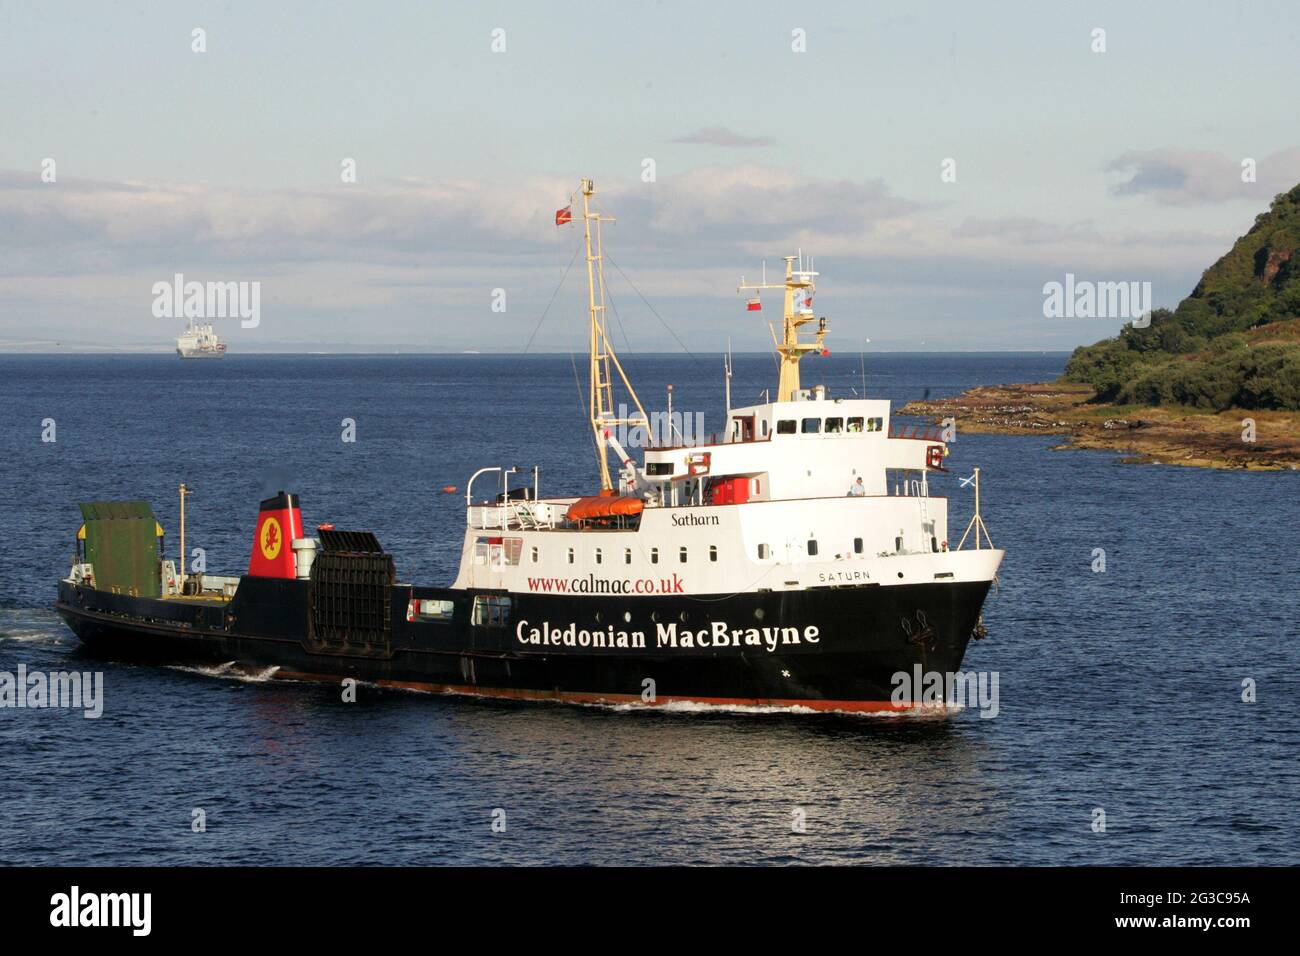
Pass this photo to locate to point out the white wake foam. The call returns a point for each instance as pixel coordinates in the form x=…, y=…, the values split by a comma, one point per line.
x=230, y=670
x=698, y=707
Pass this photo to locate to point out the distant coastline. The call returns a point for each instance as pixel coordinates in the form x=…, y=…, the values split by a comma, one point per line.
x=471, y=353
x=1145, y=435
x=1214, y=382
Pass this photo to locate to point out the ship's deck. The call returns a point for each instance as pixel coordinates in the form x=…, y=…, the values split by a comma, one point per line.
x=197, y=598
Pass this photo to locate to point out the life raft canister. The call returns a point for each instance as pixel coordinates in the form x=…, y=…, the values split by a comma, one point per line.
x=603, y=506
x=934, y=457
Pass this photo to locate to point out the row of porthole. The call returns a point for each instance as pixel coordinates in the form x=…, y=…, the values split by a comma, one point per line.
x=682, y=555
x=765, y=550
x=683, y=616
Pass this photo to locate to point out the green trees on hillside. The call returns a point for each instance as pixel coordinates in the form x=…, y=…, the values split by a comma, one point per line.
x=1196, y=355
x=1239, y=376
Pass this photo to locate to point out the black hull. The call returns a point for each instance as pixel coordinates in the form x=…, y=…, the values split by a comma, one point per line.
x=827, y=649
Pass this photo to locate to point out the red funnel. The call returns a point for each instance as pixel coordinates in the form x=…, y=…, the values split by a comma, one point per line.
x=278, y=523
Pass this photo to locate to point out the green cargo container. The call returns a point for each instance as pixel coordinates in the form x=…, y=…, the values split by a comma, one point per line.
x=122, y=544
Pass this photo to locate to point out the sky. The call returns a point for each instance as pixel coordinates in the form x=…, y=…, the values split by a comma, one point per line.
x=941, y=161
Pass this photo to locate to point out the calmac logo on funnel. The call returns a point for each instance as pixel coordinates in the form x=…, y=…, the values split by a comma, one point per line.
x=271, y=538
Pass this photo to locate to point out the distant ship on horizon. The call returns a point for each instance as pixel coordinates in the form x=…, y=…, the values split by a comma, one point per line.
x=199, y=341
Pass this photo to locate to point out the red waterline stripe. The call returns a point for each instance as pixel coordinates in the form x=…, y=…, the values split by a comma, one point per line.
x=576, y=697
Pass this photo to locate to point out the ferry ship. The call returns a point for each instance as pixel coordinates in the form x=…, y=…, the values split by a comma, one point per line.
x=199, y=341
x=797, y=560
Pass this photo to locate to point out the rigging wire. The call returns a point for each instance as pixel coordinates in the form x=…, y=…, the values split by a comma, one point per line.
x=609, y=297
x=692, y=355
x=537, y=328
x=582, y=406
x=630, y=365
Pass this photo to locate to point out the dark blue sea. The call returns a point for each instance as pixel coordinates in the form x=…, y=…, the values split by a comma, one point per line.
x=1119, y=691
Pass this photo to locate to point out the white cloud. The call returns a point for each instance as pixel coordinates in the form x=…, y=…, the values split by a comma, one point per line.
x=390, y=262
x=1188, y=177
x=721, y=136
x=748, y=198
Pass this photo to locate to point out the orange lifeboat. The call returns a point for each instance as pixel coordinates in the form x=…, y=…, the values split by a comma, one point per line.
x=599, y=506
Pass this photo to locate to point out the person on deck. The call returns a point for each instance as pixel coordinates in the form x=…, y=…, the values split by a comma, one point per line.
x=857, y=489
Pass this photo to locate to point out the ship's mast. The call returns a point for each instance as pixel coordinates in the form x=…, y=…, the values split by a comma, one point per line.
x=799, y=287
x=604, y=361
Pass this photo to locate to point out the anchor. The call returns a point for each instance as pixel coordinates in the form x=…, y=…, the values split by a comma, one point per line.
x=922, y=634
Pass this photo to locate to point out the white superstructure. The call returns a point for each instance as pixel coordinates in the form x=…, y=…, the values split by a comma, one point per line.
x=809, y=491
x=199, y=341
x=797, y=527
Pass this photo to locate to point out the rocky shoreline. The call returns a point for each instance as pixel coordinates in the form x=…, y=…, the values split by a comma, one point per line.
x=1170, y=436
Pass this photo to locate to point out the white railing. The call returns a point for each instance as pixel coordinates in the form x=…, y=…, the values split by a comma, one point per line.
x=912, y=488
x=506, y=513
x=516, y=515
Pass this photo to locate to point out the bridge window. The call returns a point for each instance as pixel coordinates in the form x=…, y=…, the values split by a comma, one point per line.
x=766, y=429
x=812, y=546
x=627, y=555
x=811, y=426
x=875, y=424
x=834, y=425
x=435, y=610
x=713, y=552
x=491, y=610
x=570, y=555
x=857, y=545
x=534, y=555
x=681, y=555
x=654, y=555
x=659, y=468
x=763, y=552
x=785, y=426
x=598, y=555
x=855, y=424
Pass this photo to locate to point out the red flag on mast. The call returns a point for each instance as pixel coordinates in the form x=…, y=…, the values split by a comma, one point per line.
x=564, y=215
x=754, y=305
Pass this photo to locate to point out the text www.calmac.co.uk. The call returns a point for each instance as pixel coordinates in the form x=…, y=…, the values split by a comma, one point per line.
x=594, y=585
